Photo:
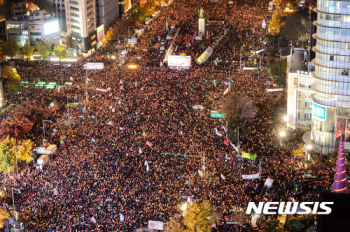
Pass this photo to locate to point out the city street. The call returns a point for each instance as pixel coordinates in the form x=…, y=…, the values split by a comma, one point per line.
x=129, y=152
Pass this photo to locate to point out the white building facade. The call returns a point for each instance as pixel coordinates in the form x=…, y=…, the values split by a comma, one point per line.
x=331, y=100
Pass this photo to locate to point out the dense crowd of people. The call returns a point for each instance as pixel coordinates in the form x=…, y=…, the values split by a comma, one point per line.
x=118, y=166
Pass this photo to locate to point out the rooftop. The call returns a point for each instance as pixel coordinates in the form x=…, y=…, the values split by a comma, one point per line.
x=297, y=60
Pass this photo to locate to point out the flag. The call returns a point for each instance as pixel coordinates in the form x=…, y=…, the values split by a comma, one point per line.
x=135, y=83
x=140, y=151
x=147, y=168
x=146, y=163
x=223, y=127
x=93, y=140
x=222, y=177
x=226, y=91
x=234, y=146
x=225, y=142
x=217, y=132
x=93, y=220
x=121, y=87
x=166, y=25
x=149, y=143
x=245, y=155
x=144, y=134
x=253, y=157
x=121, y=128
x=110, y=95
x=121, y=217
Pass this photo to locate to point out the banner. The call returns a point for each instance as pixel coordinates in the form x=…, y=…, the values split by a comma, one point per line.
x=155, y=225
x=102, y=90
x=251, y=176
x=245, y=155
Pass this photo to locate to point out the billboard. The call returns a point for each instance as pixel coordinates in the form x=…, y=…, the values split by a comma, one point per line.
x=100, y=33
x=319, y=112
x=51, y=27
x=179, y=61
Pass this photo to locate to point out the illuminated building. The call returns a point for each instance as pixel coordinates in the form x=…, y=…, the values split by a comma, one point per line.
x=331, y=100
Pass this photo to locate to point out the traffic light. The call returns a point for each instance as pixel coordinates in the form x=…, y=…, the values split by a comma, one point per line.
x=175, y=155
x=164, y=153
x=185, y=156
x=206, y=80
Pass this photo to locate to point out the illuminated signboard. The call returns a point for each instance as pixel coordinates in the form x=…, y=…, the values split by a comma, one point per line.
x=318, y=112
x=179, y=61
x=51, y=27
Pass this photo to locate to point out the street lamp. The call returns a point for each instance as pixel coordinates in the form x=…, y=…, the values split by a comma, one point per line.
x=183, y=207
x=307, y=157
x=16, y=156
x=13, y=199
x=68, y=105
x=202, y=155
x=286, y=118
x=240, y=58
x=44, y=140
x=282, y=134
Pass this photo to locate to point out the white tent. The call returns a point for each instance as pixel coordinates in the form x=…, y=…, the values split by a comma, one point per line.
x=268, y=182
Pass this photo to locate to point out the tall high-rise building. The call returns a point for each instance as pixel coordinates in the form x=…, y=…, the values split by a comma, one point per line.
x=331, y=99
x=84, y=19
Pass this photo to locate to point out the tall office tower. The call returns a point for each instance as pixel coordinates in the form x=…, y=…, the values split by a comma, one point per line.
x=331, y=100
x=107, y=13
x=81, y=24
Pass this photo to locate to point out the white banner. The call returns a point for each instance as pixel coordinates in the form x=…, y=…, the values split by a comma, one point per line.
x=155, y=225
x=274, y=90
x=252, y=176
x=102, y=90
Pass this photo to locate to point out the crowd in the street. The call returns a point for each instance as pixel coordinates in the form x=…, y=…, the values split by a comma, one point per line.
x=117, y=168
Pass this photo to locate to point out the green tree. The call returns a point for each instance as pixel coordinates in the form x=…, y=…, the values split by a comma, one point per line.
x=176, y=226
x=43, y=48
x=22, y=154
x=294, y=225
x=10, y=48
x=60, y=51
x=269, y=226
x=295, y=26
x=278, y=72
x=275, y=25
x=5, y=157
x=27, y=49
x=200, y=217
x=11, y=80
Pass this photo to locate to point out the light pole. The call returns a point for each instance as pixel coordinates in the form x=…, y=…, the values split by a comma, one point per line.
x=240, y=58
x=13, y=199
x=44, y=140
x=286, y=119
x=282, y=135
x=307, y=157
x=202, y=154
x=68, y=105
x=16, y=156
x=123, y=38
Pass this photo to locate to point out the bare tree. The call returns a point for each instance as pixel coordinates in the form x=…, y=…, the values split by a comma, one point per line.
x=239, y=108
